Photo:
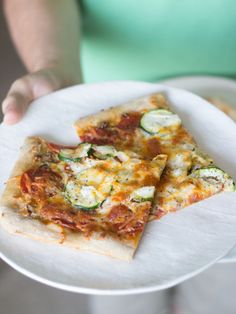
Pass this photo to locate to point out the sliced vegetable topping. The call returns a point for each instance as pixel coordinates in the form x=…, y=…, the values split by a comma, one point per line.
x=104, y=152
x=143, y=194
x=83, y=197
x=83, y=150
x=153, y=121
x=214, y=176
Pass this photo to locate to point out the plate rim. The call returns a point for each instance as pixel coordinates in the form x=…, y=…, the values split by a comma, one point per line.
x=108, y=292
x=96, y=291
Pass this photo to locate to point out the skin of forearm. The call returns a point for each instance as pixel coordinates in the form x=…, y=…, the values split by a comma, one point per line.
x=45, y=32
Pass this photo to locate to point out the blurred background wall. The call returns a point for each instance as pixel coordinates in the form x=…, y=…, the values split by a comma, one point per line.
x=10, y=64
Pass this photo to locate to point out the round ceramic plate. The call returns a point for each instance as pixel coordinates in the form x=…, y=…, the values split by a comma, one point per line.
x=173, y=249
x=210, y=86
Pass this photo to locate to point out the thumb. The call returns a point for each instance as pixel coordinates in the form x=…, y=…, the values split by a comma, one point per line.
x=17, y=101
x=23, y=91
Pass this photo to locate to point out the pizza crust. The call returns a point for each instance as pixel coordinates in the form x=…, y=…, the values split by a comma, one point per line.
x=31, y=147
x=223, y=106
x=145, y=103
x=15, y=223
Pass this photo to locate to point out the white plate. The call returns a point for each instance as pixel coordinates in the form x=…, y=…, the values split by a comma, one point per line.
x=209, y=86
x=173, y=249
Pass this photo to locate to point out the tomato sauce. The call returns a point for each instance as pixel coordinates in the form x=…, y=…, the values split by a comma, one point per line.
x=129, y=121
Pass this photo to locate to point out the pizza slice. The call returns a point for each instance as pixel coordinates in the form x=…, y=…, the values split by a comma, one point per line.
x=149, y=127
x=91, y=197
x=223, y=106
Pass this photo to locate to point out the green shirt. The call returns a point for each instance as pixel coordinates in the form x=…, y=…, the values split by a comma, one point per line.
x=153, y=39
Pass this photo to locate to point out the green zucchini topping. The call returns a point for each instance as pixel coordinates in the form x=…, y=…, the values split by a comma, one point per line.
x=153, y=121
x=214, y=176
x=104, y=152
x=143, y=194
x=83, y=197
x=83, y=150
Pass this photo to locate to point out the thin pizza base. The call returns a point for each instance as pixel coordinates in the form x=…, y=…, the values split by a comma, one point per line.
x=113, y=113
x=15, y=223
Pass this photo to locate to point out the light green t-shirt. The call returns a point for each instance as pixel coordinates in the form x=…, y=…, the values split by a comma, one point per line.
x=153, y=39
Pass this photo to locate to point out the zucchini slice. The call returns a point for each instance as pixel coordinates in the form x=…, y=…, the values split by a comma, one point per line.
x=153, y=121
x=83, y=197
x=104, y=152
x=83, y=150
x=99, y=179
x=143, y=194
x=214, y=176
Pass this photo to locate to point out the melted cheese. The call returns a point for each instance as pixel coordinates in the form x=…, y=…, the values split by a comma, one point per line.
x=110, y=182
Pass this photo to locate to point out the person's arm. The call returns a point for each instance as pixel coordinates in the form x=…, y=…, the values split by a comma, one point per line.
x=46, y=35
